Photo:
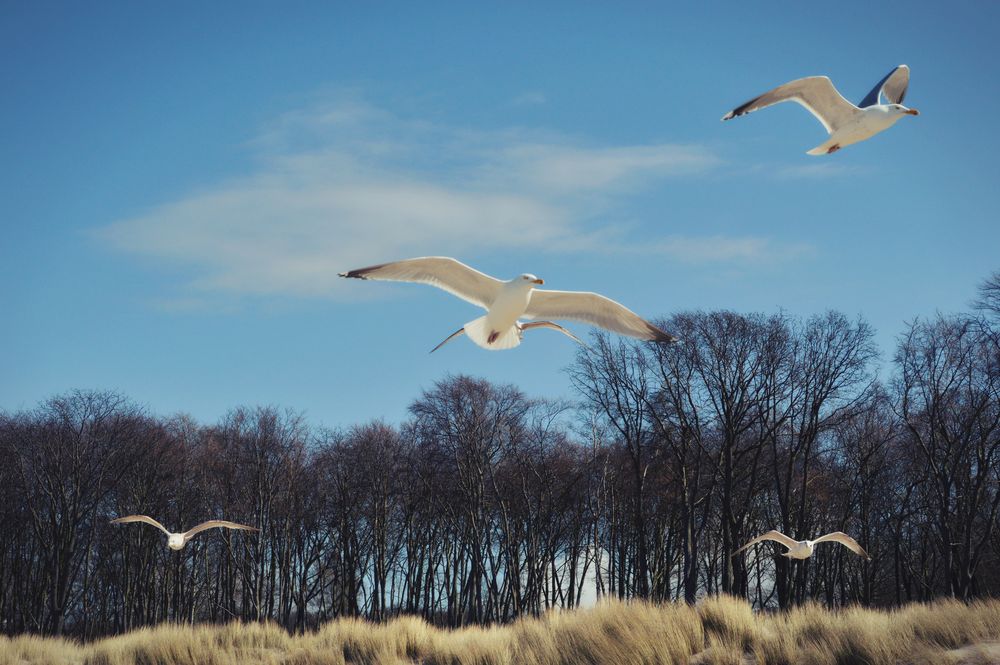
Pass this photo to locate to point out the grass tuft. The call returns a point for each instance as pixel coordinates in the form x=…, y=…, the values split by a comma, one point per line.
x=718, y=631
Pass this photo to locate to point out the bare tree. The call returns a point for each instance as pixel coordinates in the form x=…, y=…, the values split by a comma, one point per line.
x=989, y=296
x=67, y=456
x=949, y=399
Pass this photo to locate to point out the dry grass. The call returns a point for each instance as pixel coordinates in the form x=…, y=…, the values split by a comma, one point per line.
x=718, y=631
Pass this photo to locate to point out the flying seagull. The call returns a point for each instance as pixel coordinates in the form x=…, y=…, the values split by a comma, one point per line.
x=177, y=541
x=803, y=549
x=844, y=122
x=506, y=302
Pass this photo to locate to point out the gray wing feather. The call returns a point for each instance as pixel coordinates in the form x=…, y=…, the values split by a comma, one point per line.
x=553, y=326
x=892, y=86
x=441, y=271
x=594, y=309
x=815, y=93
x=770, y=535
x=140, y=518
x=212, y=524
x=843, y=539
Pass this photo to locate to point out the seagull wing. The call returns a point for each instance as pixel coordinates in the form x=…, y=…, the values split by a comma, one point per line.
x=554, y=326
x=892, y=87
x=843, y=539
x=770, y=535
x=594, y=309
x=816, y=93
x=441, y=271
x=212, y=524
x=140, y=518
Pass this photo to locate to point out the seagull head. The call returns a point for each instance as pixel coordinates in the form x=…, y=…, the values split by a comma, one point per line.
x=175, y=541
x=899, y=109
x=529, y=279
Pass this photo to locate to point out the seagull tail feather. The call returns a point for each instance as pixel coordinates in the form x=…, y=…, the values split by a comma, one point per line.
x=822, y=148
x=480, y=332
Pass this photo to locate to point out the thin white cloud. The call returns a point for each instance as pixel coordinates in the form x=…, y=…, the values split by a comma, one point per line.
x=815, y=171
x=566, y=169
x=289, y=234
x=347, y=184
x=529, y=98
x=728, y=249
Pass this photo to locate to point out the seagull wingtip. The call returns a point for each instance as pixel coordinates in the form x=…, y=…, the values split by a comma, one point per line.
x=664, y=337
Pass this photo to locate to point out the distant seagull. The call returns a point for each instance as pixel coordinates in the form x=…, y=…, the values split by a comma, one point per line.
x=177, y=541
x=803, y=549
x=506, y=302
x=844, y=122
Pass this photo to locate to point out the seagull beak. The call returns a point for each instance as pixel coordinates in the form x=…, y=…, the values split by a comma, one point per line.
x=538, y=281
x=912, y=112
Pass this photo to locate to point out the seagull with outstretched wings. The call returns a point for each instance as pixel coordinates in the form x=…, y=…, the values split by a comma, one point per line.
x=177, y=541
x=506, y=302
x=843, y=121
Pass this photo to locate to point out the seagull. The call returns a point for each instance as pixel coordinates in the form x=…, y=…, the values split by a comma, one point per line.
x=506, y=302
x=177, y=541
x=803, y=549
x=844, y=122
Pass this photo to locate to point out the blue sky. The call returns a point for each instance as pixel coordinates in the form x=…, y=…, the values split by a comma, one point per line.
x=181, y=184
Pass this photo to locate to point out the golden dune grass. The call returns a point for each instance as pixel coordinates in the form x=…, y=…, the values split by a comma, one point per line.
x=718, y=631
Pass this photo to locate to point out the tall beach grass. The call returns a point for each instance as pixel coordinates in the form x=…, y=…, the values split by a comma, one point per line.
x=717, y=631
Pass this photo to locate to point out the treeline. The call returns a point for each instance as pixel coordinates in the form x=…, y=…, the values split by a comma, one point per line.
x=487, y=504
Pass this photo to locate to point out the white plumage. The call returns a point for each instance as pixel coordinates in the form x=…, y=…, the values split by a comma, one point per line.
x=177, y=541
x=843, y=121
x=803, y=549
x=506, y=302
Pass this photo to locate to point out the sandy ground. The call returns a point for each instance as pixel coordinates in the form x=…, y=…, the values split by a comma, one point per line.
x=987, y=653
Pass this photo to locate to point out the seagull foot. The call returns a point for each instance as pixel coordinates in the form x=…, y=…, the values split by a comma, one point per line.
x=493, y=337
x=834, y=148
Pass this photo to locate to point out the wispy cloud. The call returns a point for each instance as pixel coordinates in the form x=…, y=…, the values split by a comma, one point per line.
x=344, y=184
x=815, y=171
x=728, y=249
x=530, y=98
x=568, y=169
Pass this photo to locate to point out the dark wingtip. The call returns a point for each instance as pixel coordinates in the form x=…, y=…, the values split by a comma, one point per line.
x=740, y=110
x=661, y=336
x=361, y=273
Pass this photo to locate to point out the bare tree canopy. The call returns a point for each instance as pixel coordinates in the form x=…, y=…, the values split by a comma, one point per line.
x=989, y=296
x=487, y=504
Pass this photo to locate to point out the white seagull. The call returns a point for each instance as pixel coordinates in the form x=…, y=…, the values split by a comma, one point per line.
x=506, y=302
x=177, y=541
x=803, y=549
x=844, y=122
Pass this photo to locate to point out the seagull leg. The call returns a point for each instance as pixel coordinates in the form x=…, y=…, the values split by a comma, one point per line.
x=449, y=338
x=834, y=148
x=549, y=324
